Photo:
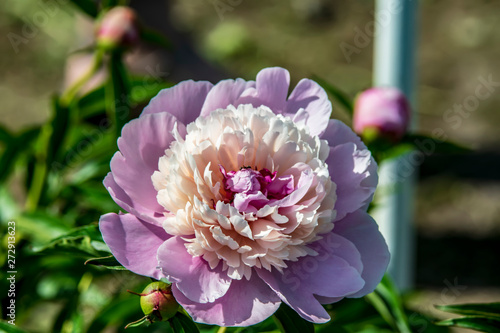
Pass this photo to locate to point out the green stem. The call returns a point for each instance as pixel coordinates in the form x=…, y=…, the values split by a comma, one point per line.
x=40, y=172
x=68, y=96
x=222, y=329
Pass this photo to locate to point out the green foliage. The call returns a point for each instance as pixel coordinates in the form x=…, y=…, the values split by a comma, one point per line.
x=482, y=317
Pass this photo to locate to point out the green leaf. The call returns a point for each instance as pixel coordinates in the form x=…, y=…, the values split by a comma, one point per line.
x=480, y=324
x=183, y=324
x=487, y=310
x=108, y=262
x=387, y=292
x=93, y=103
x=9, y=328
x=41, y=227
x=89, y=7
x=118, y=99
x=143, y=321
x=81, y=242
x=16, y=145
x=291, y=322
x=59, y=127
x=423, y=142
x=338, y=94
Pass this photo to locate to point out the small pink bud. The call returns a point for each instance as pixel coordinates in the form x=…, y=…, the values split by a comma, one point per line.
x=118, y=28
x=382, y=112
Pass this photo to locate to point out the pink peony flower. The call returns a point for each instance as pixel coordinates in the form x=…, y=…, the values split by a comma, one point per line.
x=383, y=109
x=244, y=198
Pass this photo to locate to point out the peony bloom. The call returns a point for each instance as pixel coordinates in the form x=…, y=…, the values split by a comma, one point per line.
x=244, y=198
x=383, y=109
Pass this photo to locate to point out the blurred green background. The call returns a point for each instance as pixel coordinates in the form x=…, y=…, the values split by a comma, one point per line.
x=457, y=215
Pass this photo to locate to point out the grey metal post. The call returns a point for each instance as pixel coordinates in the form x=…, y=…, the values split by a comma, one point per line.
x=394, y=65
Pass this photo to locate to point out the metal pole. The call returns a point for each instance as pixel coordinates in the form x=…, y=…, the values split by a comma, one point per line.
x=394, y=54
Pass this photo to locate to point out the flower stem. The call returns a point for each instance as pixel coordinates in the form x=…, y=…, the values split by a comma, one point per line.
x=68, y=96
x=222, y=329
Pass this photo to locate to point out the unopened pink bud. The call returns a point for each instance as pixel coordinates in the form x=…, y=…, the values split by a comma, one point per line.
x=382, y=110
x=118, y=28
x=157, y=301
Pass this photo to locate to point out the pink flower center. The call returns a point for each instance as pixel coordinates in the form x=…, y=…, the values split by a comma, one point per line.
x=249, y=190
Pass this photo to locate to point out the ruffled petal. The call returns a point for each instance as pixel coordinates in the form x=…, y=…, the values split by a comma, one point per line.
x=352, y=169
x=354, y=173
x=309, y=95
x=123, y=200
x=362, y=231
x=133, y=242
x=142, y=143
x=245, y=303
x=224, y=93
x=184, y=100
x=327, y=274
x=271, y=89
x=192, y=275
x=338, y=133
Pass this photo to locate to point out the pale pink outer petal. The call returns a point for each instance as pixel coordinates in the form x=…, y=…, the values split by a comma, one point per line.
x=133, y=242
x=338, y=133
x=142, y=143
x=245, y=303
x=224, y=93
x=329, y=274
x=352, y=169
x=123, y=200
x=192, y=275
x=184, y=100
x=271, y=89
x=362, y=231
x=314, y=100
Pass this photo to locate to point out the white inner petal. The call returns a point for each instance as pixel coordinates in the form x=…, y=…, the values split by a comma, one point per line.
x=273, y=230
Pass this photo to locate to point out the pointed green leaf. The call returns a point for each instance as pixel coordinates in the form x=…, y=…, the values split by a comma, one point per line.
x=59, y=128
x=476, y=323
x=82, y=242
x=108, y=262
x=117, y=95
x=389, y=294
x=487, y=310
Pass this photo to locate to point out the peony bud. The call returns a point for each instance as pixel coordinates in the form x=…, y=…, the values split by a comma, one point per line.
x=118, y=28
x=381, y=112
x=157, y=302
